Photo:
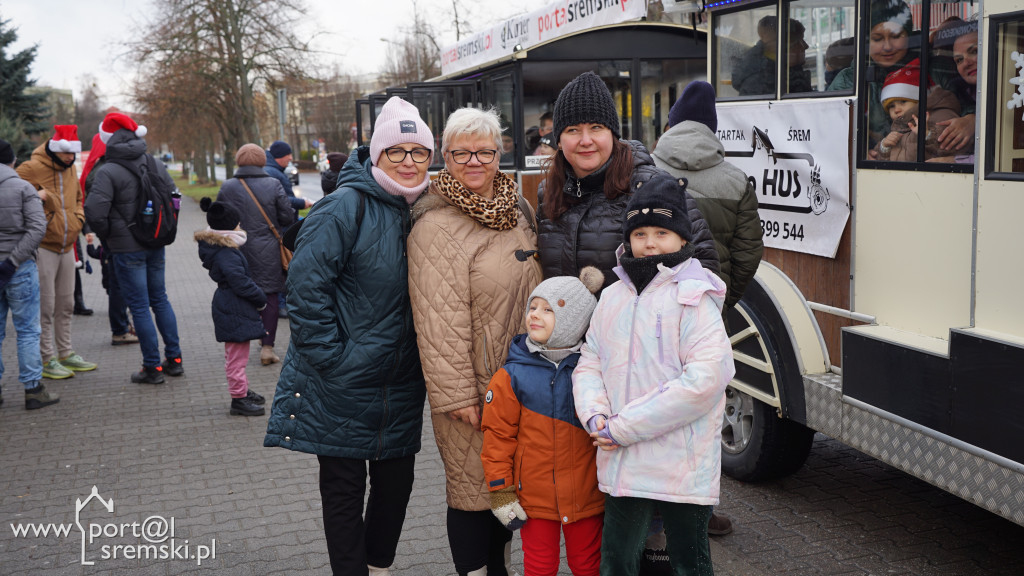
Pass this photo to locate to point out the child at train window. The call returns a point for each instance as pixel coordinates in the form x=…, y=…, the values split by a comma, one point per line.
x=539, y=461
x=899, y=98
x=650, y=384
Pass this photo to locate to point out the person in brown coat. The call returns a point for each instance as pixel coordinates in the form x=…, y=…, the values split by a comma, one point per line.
x=51, y=170
x=472, y=266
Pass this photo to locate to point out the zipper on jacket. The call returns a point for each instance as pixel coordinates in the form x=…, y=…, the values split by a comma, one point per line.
x=632, y=332
x=657, y=334
x=63, y=209
x=576, y=236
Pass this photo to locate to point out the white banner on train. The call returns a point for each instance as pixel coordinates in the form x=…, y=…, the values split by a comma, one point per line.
x=797, y=154
x=554, y=20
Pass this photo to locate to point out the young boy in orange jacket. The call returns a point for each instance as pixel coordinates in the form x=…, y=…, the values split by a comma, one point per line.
x=539, y=460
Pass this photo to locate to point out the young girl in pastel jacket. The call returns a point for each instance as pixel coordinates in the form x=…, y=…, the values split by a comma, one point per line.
x=236, y=303
x=539, y=461
x=650, y=384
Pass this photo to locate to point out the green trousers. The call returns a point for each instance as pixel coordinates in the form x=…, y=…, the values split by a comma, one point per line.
x=627, y=521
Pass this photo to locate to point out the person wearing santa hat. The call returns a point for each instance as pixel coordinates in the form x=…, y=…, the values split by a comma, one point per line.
x=112, y=200
x=51, y=170
x=900, y=99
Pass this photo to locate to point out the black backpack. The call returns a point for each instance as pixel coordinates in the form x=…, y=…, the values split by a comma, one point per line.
x=155, y=222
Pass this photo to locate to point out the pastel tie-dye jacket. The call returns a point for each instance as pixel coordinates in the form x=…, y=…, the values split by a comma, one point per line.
x=657, y=366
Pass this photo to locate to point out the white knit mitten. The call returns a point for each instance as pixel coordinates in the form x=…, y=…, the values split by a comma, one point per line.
x=505, y=507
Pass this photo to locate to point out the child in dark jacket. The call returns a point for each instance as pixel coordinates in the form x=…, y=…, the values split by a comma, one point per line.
x=236, y=303
x=532, y=435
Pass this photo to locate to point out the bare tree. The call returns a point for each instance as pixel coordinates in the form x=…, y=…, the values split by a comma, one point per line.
x=181, y=118
x=229, y=49
x=88, y=110
x=415, y=57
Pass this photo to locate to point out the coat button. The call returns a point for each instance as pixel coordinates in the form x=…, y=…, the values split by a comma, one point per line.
x=287, y=438
x=297, y=395
x=565, y=519
x=291, y=417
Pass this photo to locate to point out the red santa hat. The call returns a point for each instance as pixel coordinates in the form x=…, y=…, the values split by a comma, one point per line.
x=902, y=84
x=65, y=139
x=116, y=121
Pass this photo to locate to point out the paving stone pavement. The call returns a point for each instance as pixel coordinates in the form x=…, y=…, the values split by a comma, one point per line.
x=173, y=453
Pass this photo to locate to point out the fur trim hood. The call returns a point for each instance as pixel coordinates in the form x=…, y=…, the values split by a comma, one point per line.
x=215, y=239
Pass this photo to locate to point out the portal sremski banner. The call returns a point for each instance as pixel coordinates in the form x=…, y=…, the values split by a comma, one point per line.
x=554, y=20
x=797, y=154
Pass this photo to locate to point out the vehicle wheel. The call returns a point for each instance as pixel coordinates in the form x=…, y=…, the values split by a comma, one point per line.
x=758, y=444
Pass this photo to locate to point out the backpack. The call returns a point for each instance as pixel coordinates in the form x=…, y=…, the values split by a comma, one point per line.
x=289, y=236
x=155, y=222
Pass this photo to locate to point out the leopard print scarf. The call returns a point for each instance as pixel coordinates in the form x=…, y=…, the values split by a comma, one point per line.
x=498, y=213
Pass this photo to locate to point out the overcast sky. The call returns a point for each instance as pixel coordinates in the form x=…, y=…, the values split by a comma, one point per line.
x=77, y=37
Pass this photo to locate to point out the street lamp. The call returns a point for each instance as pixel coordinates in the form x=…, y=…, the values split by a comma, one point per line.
x=416, y=50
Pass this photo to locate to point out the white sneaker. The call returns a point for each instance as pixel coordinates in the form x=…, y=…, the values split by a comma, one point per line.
x=374, y=571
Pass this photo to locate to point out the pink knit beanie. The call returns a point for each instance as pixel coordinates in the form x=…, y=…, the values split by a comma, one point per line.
x=399, y=122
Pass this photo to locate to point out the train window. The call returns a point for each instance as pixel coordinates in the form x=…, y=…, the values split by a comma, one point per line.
x=1006, y=145
x=893, y=77
x=662, y=81
x=821, y=44
x=745, y=53
x=500, y=96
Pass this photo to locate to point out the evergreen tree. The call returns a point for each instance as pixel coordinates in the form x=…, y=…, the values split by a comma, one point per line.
x=19, y=109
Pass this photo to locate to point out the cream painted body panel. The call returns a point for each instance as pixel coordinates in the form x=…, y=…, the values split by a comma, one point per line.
x=912, y=250
x=1000, y=258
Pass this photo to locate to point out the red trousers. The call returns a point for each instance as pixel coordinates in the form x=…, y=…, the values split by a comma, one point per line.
x=541, y=539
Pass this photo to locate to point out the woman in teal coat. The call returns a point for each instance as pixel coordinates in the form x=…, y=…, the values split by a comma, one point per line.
x=351, y=389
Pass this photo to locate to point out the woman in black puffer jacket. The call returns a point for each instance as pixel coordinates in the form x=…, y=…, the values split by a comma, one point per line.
x=583, y=199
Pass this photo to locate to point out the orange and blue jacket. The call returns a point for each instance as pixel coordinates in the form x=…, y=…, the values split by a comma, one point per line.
x=534, y=441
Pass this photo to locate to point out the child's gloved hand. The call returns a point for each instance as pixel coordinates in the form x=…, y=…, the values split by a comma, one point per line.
x=505, y=507
x=598, y=427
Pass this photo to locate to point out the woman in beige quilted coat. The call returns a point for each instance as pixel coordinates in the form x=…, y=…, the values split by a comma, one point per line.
x=472, y=266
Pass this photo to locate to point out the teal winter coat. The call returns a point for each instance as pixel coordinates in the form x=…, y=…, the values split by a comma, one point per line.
x=351, y=384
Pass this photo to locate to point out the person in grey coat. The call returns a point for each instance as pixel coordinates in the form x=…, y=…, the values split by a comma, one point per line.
x=261, y=250
x=22, y=227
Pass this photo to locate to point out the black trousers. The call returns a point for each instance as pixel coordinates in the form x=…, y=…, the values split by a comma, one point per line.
x=477, y=539
x=355, y=539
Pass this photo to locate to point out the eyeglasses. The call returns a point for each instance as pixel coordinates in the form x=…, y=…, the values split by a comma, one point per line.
x=464, y=156
x=397, y=155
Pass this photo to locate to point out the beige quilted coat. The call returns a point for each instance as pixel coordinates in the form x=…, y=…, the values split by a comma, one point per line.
x=468, y=299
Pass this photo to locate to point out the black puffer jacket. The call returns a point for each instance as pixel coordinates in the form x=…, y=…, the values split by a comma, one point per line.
x=588, y=233
x=114, y=192
x=261, y=249
x=237, y=301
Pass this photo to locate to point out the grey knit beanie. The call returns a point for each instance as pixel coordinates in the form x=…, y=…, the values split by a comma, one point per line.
x=585, y=98
x=573, y=302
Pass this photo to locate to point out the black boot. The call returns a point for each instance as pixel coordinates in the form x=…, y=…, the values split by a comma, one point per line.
x=80, y=308
x=250, y=395
x=245, y=407
x=149, y=375
x=172, y=367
